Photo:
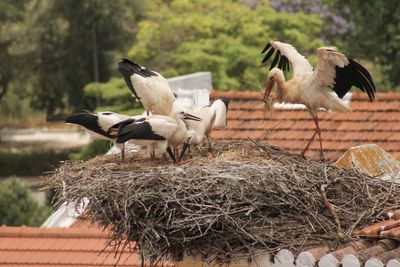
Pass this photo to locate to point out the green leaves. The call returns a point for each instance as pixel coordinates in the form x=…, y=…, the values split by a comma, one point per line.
x=113, y=95
x=18, y=207
x=224, y=37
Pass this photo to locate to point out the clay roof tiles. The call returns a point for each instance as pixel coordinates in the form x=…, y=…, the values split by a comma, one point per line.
x=377, y=122
x=82, y=244
x=76, y=246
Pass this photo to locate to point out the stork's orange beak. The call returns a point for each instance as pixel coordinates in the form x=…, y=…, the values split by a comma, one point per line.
x=268, y=89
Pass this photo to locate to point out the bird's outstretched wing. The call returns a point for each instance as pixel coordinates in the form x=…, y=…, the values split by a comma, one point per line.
x=340, y=72
x=285, y=55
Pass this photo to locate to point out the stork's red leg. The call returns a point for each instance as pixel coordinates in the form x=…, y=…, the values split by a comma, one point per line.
x=313, y=136
x=209, y=143
x=176, y=152
x=153, y=155
x=123, y=152
x=318, y=130
x=308, y=144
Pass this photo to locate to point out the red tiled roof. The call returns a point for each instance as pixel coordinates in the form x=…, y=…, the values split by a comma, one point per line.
x=377, y=122
x=84, y=245
x=76, y=246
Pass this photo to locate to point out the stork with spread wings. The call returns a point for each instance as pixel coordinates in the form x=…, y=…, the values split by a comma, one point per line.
x=310, y=86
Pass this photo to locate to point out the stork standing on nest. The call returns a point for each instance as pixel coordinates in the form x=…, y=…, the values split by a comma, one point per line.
x=309, y=86
x=181, y=132
x=102, y=125
x=154, y=131
x=212, y=117
x=148, y=86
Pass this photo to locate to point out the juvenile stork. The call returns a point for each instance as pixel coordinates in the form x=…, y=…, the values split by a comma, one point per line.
x=101, y=125
x=180, y=134
x=309, y=86
x=154, y=131
x=212, y=117
x=150, y=87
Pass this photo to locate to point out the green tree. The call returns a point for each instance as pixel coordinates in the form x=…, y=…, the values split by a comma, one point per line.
x=76, y=44
x=224, y=37
x=11, y=17
x=112, y=96
x=17, y=206
x=14, y=55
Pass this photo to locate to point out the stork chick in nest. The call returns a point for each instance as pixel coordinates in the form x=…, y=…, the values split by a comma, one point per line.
x=154, y=131
x=212, y=117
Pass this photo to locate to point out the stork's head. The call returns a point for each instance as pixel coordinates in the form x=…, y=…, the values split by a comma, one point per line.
x=225, y=101
x=190, y=135
x=180, y=112
x=274, y=76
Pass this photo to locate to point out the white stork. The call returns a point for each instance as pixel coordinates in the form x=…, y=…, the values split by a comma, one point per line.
x=101, y=125
x=150, y=87
x=212, y=117
x=309, y=86
x=180, y=134
x=154, y=131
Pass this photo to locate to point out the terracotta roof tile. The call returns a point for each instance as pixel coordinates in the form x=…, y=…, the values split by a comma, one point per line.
x=377, y=122
x=76, y=246
x=383, y=106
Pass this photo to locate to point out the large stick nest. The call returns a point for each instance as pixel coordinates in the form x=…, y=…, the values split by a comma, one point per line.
x=249, y=198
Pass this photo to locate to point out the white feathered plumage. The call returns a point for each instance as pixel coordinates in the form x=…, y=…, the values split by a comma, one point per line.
x=212, y=117
x=310, y=87
x=150, y=87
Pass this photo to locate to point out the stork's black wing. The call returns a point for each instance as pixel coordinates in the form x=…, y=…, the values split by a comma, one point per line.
x=353, y=74
x=279, y=60
x=140, y=129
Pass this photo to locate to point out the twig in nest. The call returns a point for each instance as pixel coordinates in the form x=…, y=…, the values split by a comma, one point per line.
x=330, y=208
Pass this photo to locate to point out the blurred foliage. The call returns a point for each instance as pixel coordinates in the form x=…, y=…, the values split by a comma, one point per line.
x=60, y=46
x=32, y=163
x=79, y=47
x=348, y=26
x=112, y=96
x=61, y=55
x=335, y=24
x=224, y=37
x=18, y=207
x=94, y=148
